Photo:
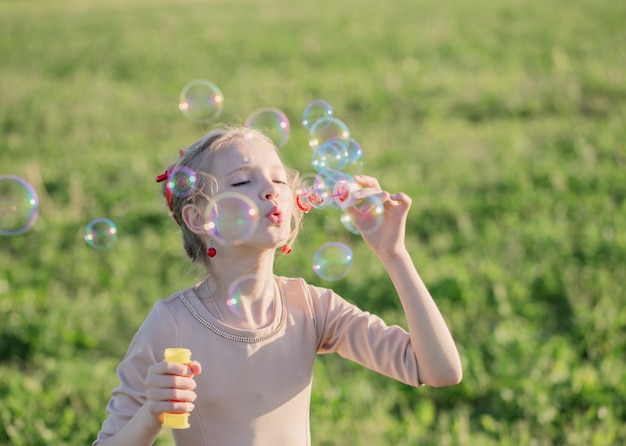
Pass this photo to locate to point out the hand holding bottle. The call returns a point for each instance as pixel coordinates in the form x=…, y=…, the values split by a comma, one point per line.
x=170, y=388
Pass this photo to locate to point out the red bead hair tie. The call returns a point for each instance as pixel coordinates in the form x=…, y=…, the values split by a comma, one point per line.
x=168, y=188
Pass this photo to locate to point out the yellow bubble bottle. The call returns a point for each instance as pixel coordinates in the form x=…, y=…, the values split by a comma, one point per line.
x=175, y=420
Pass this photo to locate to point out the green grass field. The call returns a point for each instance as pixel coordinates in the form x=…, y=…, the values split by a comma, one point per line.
x=504, y=121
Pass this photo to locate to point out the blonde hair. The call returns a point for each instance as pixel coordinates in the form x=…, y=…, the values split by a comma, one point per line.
x=198, y=158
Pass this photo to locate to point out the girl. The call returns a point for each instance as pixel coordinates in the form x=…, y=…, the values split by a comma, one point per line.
x=249, y=383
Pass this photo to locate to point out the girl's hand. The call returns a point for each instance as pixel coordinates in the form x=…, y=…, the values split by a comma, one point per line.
x=170, y=388
x=388, y=237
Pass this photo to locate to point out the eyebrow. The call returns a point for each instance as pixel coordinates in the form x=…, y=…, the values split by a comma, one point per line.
x=246, y=168
x=242, y=168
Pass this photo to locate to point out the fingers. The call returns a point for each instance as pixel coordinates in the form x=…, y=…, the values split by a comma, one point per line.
x=372, y=187
x=159, y=408
x=170, y=387
x=384, y=197
x=401, y=197
x=174, y=368
x=166, y=395
x=170, y=382
x=365, y=193
x=367, y=181
x=195, y=367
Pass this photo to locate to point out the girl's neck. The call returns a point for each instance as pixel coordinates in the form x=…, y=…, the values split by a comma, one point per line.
x=243, y=292
x=227, y=267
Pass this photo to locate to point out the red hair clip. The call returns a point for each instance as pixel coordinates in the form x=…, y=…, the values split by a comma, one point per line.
x=168, y=188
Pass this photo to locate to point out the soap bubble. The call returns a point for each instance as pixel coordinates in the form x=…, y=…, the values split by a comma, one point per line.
x=317, y=109
x=332, y=261
x=354, y=162
x=272, y=122
x=306, y=195
x=326, y=129
x=101, y=233
x=331, y=154
x=354, y=150
x=245, y=287
x=343, y=190
x=328, y=186
x=369, y=213
x=231, y=218
x=201, y=101
x=19, y=205
x=182, y=181
x=347, y=223
x=355, y=168
x=318, y=192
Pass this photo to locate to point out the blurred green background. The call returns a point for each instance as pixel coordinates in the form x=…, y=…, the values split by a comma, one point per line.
x=504, y=121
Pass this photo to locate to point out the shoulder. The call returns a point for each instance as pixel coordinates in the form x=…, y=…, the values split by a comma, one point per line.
x=165, y=312
x=174, y=301
x=319, y=299
x=297, y=286
x=174, y=298
x=160, y=328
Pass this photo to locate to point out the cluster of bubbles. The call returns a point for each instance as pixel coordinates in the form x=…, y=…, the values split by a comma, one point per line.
x=231, y=218
x=19, y=210
x=201, y=101
x=336, y=157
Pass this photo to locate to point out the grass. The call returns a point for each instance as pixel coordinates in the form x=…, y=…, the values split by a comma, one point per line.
x=503, y=121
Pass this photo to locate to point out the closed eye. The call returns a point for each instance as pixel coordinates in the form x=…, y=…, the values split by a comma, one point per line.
x=240, y=183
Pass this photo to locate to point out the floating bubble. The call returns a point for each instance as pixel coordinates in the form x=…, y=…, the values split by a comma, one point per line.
x=355, y=168
x=201, y=101
x=354, y=150
x=182, y=181
x=332, y=261
x=326, y=186
x=347, y=223
x=343, y=191
x=316, y=190
x=368, y=215
x=306, y=195
x=243, y=288
x=331, y=154
x=231, y=218
x=101, y=233
x=272, y=122
x=325, y=129
x=316, y=109
x=19, y=205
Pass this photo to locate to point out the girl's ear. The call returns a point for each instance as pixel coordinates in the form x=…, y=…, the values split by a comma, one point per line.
x=193, y=218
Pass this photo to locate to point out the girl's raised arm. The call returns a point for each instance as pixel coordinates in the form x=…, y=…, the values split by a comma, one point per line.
x=434, y=347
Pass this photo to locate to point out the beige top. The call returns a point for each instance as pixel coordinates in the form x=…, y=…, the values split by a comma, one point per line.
x=255, y=385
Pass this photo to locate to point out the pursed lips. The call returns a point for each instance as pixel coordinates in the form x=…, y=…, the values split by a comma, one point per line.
x=275, y=215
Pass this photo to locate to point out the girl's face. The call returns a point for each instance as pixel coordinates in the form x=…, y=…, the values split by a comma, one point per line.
x=253, y=168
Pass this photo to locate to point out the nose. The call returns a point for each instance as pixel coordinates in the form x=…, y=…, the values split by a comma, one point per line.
x=270, y=192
